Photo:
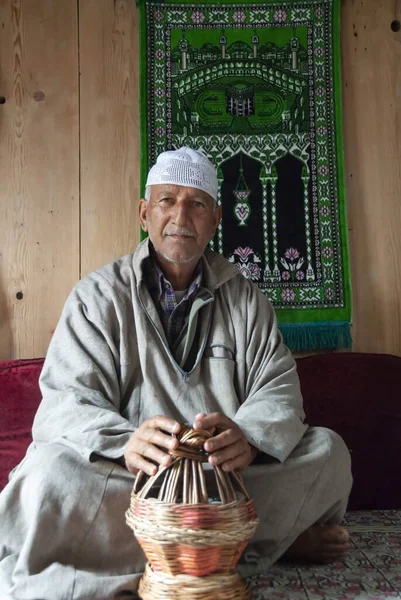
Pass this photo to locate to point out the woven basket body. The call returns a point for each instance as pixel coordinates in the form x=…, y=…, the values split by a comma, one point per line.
x=192, y=536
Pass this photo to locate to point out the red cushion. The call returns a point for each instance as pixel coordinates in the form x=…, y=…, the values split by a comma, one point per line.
x=357, y=395
x=19, y=400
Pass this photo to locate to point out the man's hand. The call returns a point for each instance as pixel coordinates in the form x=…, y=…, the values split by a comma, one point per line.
x=147, y=443
x=229, y=448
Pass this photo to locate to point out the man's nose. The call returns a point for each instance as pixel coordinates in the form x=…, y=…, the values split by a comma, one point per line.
x=181, y=214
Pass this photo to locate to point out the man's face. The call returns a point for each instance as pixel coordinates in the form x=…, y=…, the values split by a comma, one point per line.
x=180, y=221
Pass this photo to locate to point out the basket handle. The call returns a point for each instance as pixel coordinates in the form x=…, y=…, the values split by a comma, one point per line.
x=187, y=467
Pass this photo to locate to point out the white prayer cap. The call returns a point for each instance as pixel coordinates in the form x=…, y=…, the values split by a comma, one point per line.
x=186, y=167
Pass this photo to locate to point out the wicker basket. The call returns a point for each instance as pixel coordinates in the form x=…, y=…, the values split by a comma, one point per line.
x=192, y=536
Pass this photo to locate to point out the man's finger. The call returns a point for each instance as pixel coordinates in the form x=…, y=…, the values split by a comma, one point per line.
x=241, y=461
x=227, y=453
x=158, y=438
x=212, y=420
x=135, y=463
x=223, y=439
x=200, y=416
x=164, y=423
x=144, y=448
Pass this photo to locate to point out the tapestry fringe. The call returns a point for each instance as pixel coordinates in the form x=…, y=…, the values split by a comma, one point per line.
x=317, y=336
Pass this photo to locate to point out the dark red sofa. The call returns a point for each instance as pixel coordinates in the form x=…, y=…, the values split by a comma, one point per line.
x=357, y=395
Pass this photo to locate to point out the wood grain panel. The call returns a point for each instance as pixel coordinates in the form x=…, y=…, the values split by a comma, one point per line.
x=39, y=193
x=40, y=246
x=371, y=55
x=109, y=130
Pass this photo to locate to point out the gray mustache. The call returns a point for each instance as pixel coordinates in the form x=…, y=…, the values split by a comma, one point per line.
x=180, y=231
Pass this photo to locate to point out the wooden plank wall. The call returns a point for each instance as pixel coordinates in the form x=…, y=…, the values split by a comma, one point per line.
x=39, y=170
x=371, y=65
x=69, y=156
x=109, y=130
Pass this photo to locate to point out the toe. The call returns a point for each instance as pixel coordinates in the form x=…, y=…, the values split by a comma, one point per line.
x=334, y=534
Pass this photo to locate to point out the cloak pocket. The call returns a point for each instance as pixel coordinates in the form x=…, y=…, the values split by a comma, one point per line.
x=218, y=351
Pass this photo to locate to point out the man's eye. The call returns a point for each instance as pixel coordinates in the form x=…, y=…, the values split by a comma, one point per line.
x=165, y=200
x=198, y=204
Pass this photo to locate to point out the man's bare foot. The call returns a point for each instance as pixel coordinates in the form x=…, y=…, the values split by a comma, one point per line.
x=320, y=544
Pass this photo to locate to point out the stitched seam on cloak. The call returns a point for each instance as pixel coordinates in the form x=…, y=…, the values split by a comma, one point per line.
x=328, y=454
x=90, y=527
x=111, y=285
x=122, y=299
x=99, y=326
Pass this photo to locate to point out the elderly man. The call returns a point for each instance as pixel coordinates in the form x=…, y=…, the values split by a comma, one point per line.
x=171, y=334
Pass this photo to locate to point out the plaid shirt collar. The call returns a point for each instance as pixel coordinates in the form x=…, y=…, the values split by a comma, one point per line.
x=173, y=315
x=167, y=297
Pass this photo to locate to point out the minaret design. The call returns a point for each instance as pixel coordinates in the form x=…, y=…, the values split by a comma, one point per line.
x=223, y=44
x=294, y=52
x=184, y=52
x=255, y=43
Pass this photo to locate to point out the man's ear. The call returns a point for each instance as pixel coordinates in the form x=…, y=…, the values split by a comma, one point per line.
x=143, y=207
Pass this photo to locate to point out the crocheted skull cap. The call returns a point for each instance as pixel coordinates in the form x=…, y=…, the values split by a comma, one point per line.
x=186, y=167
